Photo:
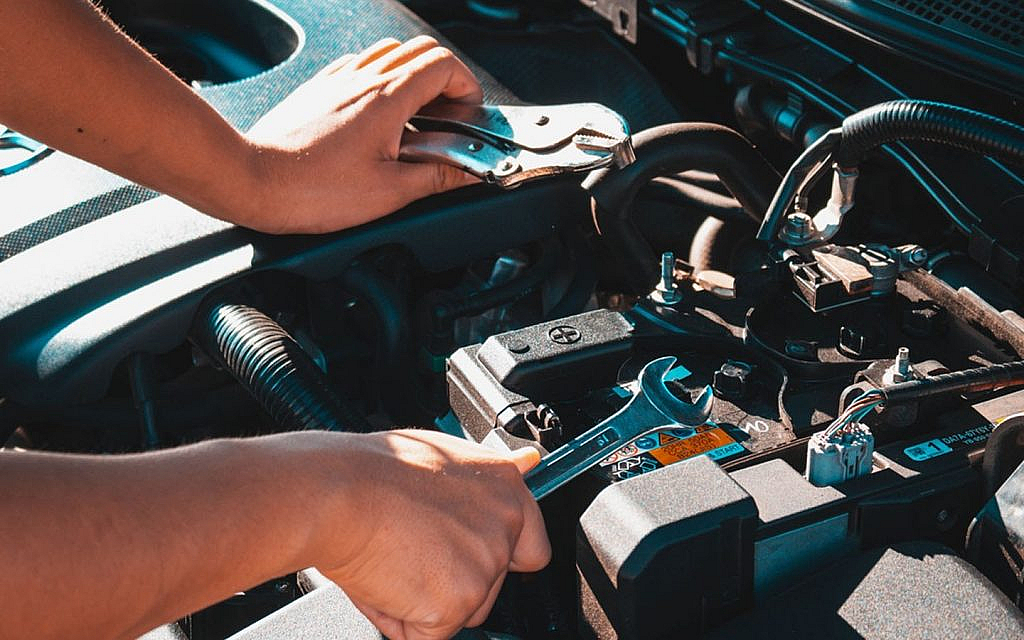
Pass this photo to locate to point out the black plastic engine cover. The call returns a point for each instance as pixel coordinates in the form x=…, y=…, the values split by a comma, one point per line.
x=93, y=268
x=666, y=554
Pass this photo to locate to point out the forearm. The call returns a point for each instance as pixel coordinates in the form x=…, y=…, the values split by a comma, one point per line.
x=126, y=543
x=73, y=81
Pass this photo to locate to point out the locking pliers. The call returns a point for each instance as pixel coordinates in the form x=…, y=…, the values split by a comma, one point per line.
x=510, y=145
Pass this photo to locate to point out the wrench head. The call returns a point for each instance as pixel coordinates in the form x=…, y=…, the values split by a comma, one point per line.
x=652, y=385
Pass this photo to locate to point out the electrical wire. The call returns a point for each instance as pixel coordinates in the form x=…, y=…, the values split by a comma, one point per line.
x=857, y=411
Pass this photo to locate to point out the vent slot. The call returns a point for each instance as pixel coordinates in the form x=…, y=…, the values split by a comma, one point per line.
x=998, y=22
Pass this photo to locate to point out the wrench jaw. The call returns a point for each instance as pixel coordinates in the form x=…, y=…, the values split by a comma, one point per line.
x=676, y=411
x=652, y=407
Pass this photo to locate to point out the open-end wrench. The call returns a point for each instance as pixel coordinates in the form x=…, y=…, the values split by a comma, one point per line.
x=652, y=406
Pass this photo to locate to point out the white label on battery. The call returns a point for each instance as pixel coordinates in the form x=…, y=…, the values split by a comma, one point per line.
x=927, y=450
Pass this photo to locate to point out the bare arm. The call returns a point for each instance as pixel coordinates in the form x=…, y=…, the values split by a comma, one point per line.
x=327, y=158
x=418, y=527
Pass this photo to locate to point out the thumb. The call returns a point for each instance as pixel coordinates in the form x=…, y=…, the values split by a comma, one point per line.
x=525, y=458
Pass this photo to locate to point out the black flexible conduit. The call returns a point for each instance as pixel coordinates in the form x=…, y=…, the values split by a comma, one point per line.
x=996, y=376
x=932, y=121
x=273, y=368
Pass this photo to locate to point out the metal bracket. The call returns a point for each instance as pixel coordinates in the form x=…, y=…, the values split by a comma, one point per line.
x=621, y=13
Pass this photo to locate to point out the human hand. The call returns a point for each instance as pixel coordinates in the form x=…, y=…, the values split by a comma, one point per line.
x=438, y=522
x=326, y=158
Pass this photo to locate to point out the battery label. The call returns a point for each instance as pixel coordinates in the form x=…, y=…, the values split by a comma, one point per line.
x=927, y=450
x=947, y=444
x=667, y=446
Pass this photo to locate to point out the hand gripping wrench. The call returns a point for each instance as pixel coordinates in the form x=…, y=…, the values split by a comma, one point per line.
x=652, y=406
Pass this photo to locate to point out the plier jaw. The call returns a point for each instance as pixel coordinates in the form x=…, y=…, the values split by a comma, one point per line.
x=510, y=145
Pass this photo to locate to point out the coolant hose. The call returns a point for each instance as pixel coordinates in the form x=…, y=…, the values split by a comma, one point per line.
x=272, y=366
x=668, y=150
x=932, y=121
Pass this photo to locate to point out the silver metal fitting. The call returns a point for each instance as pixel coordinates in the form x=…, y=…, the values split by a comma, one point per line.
x=798, y=229
x=667, y=292
x=901, y=369
x=828, y=221
x=912, y=256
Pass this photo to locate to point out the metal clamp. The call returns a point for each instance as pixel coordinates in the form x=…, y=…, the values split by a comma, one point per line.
x=510, y=145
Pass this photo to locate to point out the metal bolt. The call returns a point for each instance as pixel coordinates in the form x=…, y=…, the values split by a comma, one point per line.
x=282, y=586
x=666, y=292
x=942, y=516
x=543, y=120
x=668, y=268
x=475, y=146
x=903, y=362
x=799, y=228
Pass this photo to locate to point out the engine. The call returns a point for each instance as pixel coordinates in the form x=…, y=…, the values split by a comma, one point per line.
x=835, y=269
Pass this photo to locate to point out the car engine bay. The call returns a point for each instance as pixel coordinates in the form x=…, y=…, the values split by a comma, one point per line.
x=812, y=207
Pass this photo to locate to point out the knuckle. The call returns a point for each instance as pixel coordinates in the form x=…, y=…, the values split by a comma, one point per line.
x=472, y=597
x=440, y=56
x=425, y=41
x=513, y=517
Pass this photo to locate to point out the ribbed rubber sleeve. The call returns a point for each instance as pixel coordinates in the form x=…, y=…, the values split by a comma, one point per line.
x=272, y=366
x=931, y=121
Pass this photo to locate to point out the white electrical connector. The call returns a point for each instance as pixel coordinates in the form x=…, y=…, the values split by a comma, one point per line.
x=835, y=456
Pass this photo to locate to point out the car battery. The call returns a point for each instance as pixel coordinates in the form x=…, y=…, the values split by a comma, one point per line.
x=550, y=382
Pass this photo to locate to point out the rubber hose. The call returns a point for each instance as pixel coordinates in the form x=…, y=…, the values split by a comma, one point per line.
x=388, y=303
x=971, y=380
x=272, y=366
x=487, y=299
x=714, y=242
x=687, y=195
x=931, y=121
x=668, y=150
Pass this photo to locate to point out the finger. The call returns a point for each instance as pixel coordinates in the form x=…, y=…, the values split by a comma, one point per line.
x=398, y=56
x=434, y=73
x=525, y=458
x=532, y=551
x=337, y=65
x=484, y=610
x=390, y=627
x=374, y=51
x=415, y=180
x=417, y=631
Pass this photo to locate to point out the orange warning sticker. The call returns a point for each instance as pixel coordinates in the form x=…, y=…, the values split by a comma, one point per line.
x=695, y=445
